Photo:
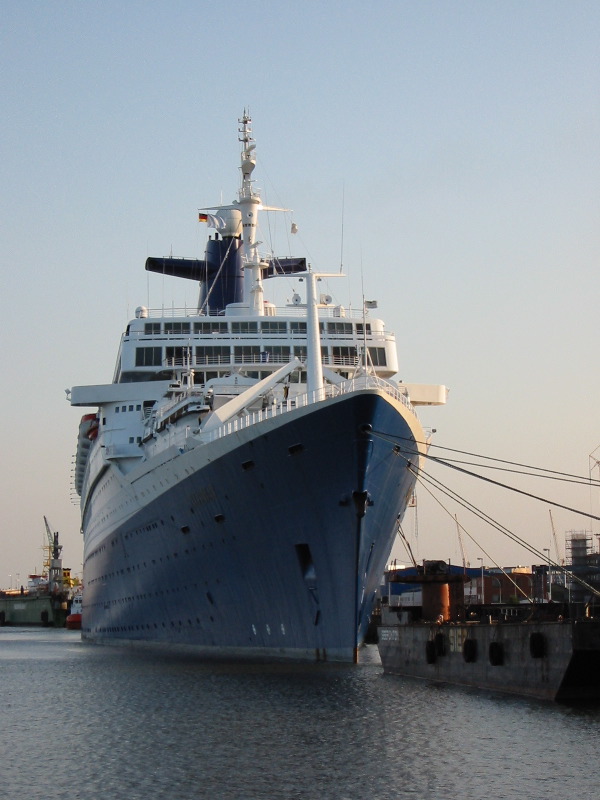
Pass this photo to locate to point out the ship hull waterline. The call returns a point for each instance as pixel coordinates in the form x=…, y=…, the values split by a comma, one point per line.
x=270, y=542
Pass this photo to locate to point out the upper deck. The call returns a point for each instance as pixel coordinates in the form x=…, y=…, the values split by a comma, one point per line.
x=157, y=341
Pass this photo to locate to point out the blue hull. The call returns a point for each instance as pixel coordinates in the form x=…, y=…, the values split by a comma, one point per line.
x=271, y=541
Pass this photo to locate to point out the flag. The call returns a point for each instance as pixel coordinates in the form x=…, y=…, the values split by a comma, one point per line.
x=370, y=303
x=215, y=222
x=211, y=220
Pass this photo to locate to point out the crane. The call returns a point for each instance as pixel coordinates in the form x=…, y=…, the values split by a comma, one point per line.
x=555, y=539
x=53, y=562
x=54, y=548
x=465, y=563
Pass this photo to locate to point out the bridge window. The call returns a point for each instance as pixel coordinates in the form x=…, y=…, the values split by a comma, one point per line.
x=276, y=354
x=244, y=327
x=210, y=327
x=212, y=355
x=247, y=355
x=177, y=356
x=377, y=355
x=274, y=326
x=148, y=356
x=177, y=327
x=340, y=328
x=344, y=355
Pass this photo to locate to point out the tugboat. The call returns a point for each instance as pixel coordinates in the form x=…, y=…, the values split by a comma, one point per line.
x=74, y=616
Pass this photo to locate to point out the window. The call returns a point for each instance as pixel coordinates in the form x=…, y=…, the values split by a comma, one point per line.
x=344, y=355
x=212, y=355
x=377, y=355
x=177, y=355
x=359, y=328
x=148, y=356
x=210, y=327
x=276, y=354
x=151, y=328
x=244, y=327
x=177, y=327
x=278, y=326
x=298, y=327
x=340, y=328
x=247, y=355
x=300, y=352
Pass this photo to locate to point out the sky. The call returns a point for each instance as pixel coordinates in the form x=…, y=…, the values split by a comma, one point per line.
x=445, y=155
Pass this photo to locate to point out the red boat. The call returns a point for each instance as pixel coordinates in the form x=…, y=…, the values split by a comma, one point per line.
x=74, y=617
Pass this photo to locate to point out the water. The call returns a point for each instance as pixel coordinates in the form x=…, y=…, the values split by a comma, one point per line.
x=83, y=721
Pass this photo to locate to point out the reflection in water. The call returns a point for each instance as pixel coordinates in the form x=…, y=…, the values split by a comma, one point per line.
x=92, y=721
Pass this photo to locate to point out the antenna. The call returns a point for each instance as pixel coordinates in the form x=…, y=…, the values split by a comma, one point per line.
x=342, y=237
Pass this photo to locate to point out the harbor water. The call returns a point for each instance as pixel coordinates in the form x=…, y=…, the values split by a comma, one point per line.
x=85, y=721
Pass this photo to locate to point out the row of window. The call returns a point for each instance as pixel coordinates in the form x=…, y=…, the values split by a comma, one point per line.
x=266, y=326
x=248, y=354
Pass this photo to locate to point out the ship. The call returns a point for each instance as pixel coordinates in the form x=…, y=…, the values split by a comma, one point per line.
x=546, y=650
x=45, y=599
x=243, y=476
x=73, y=621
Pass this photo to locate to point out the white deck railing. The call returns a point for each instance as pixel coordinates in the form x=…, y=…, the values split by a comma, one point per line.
x=300, y=401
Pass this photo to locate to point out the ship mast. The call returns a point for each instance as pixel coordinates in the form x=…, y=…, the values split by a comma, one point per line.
x=249, y=203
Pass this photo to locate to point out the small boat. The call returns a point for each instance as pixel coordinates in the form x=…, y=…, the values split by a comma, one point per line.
x=549, y=651
x=74, y=616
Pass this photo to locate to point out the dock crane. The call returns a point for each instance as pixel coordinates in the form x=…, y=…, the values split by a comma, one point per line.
x=558, y=558
x=53, y=561
x=465, y=563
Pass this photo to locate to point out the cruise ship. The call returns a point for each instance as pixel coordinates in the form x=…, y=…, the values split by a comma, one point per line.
x=243, y=476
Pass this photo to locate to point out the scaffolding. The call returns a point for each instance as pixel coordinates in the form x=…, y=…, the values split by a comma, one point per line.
x=578, y=547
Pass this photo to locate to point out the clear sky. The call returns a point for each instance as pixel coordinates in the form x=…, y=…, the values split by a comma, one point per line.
x=459, y=142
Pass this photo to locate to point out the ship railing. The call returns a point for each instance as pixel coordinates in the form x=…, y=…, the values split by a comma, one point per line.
x=327, y=312
x=258, y=360
x=307, y=399
x=185, y=398
x=188, y=339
